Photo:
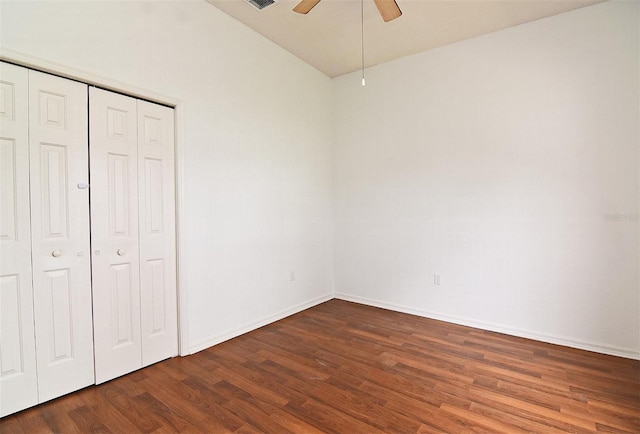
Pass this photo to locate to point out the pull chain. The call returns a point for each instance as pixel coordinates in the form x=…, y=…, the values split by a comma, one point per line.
x=362, y=37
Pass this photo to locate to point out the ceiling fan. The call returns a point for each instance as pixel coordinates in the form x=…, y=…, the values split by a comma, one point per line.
x=388, y=9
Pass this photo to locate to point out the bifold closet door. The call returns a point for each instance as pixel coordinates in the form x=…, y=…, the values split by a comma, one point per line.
x=133, y=233
x=58, y=137
x=156, y=192
x=114, y=233
x=18, y=380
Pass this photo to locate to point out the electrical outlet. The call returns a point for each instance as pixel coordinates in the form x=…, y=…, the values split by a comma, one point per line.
x=436, y=279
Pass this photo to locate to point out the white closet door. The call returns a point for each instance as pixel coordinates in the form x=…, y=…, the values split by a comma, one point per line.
x=58, y=137
x=157, y=232
x=114, y=233
x=18, y=381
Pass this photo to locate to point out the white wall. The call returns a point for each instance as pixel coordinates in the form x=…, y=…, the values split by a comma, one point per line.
x=509, y=165
x=256, y=146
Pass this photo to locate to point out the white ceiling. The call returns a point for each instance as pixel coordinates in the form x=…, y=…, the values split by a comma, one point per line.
x=329, y=37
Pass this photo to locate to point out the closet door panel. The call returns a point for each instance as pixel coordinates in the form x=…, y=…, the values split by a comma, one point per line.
x=114, y=234
x=60, y=234
x=18, y=380
x=157, y=232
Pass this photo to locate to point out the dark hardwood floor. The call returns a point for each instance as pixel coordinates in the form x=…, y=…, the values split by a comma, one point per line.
x=348, y=368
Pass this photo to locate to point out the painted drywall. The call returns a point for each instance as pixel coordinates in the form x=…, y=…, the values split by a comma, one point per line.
x=508, y=165
x=255, y=147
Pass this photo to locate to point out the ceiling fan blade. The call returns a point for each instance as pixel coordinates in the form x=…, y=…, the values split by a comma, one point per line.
x=389, y=9
x=305, y=6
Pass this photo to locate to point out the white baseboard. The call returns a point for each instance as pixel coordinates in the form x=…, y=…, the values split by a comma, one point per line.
x=215, y=340
x=588, y=346
x=598, y=348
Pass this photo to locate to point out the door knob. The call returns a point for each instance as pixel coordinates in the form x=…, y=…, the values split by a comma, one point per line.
x=56, y=253
x=120, y=252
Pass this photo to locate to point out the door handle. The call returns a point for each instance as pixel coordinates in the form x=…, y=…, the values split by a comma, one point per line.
x=120, y=252
x=56, y=253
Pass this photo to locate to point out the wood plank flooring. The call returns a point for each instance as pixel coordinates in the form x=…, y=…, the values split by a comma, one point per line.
x=347, y=368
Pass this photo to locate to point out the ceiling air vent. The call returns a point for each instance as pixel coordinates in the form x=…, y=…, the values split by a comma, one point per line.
x=261, y=4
